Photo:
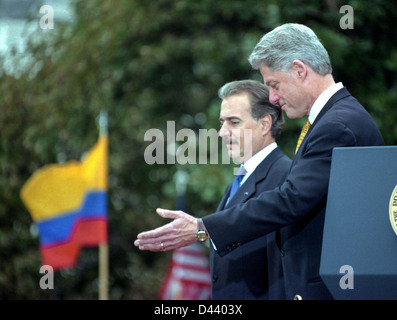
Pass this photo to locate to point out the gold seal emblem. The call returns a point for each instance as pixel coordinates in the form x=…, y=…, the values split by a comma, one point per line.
x=393, y=210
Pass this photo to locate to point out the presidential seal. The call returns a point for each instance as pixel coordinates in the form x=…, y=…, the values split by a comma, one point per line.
x=393, y=210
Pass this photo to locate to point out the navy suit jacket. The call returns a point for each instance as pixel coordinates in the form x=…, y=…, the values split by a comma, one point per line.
x=253, y=270
x=297, y=208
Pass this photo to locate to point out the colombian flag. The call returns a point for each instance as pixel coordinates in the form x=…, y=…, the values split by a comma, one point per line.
x=68, y=203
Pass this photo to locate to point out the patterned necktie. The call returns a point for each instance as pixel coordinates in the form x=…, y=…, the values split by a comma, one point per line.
x=305, y=129
x=236, y=182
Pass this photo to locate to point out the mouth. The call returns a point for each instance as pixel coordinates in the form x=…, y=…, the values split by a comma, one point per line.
x=230, y=144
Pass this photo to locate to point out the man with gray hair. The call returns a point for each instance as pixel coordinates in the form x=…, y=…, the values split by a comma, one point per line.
x=296, y=67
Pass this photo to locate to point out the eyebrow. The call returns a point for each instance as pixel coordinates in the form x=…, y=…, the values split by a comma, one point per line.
x=229, y=118
x=271, y=82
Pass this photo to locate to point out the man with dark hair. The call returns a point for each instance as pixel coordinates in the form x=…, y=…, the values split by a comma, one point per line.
x=252, y=271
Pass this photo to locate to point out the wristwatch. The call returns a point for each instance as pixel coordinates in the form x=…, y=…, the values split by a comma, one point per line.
x=201, y=234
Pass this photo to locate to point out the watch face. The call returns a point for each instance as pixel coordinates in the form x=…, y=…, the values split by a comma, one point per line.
x=201, y=236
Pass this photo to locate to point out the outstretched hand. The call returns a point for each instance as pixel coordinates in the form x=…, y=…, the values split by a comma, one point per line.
x=179, y=233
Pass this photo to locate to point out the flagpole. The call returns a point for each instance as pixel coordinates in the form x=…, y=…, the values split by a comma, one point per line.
x=103, y=271
x=103, y=250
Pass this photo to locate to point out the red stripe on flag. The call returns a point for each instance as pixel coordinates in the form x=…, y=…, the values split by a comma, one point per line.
x=188, y=276
x=86, y=233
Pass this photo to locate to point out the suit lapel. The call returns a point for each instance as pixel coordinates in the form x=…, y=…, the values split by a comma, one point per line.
x=342, y=93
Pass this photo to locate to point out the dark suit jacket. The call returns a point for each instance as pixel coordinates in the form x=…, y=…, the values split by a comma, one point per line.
x=297, y=208
x=253, y=270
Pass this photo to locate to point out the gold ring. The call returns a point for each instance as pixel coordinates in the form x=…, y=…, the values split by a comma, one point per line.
x=161, y=246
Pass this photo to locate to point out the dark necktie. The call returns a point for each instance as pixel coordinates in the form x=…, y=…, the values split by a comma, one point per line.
x=236, y=182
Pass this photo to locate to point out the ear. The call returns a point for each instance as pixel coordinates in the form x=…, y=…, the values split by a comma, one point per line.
x=299, y=69
x=266, y=124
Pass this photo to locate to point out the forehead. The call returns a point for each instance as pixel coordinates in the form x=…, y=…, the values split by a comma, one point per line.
x=270, y=75
x=238, y=104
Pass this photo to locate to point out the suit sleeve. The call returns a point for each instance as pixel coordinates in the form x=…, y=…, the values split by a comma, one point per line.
x=303, y=193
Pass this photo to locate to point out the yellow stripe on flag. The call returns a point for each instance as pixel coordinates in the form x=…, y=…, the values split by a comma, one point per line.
x=60, y=188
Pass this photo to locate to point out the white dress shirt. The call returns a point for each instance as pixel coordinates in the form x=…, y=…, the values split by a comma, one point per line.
x=322, y=99
x=251, y=164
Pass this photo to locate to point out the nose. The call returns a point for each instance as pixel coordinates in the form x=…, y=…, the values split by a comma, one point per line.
x=224, y=131
x=273, y=96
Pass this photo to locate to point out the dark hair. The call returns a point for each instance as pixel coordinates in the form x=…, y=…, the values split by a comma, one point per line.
x=258, y=94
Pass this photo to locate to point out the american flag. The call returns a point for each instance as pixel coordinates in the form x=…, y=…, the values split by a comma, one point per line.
x=188, y=277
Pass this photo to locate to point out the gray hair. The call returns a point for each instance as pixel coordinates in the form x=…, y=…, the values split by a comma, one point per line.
x=278, y=48
x=258, y=94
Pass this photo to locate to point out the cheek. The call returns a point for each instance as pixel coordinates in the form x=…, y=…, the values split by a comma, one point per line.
x=246, y=139
x=294, y=94
x=237, y=135
x=286, y=93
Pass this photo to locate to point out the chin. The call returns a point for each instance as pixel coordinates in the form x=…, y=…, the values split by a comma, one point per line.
x=292, y=115
x=237, y=159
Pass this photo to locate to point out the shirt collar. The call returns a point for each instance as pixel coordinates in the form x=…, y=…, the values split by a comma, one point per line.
x=251, y=164
x=322, y=100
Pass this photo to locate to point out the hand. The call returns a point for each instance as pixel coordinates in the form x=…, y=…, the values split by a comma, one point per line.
x=179, y=233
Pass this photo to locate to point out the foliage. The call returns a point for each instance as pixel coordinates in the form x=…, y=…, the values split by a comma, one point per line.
x=147, y=63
